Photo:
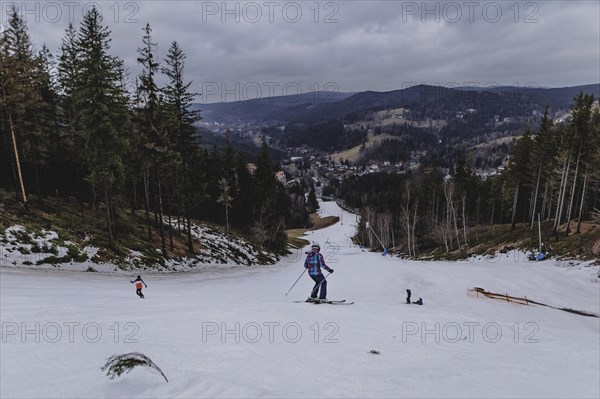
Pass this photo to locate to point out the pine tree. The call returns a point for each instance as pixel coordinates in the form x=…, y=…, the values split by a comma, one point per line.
x=67, y=75
x=544, y=154
x=243, y=202
x=519, y=170
x=156, y=144
x=101, y=111
x=21, y=98
x=271, y=204
x=311, y=203
x=183, y=134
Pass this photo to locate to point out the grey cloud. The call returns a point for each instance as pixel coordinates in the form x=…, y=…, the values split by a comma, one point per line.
x=374, y=45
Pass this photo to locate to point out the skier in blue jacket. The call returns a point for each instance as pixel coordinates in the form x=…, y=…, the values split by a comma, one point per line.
x=314, y=261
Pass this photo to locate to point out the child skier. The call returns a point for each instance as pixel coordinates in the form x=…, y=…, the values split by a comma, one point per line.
x=314, y=261
x=138, y=286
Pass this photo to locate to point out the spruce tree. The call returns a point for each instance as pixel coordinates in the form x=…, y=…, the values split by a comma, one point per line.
x=183, y=134
x=518, y=170
x=156, y=144
x=21, y=99
x=101, y=111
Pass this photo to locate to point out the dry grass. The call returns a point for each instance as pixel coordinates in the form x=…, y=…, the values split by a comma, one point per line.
x=294, y=240
x=353, y=154
x=320, y=223
x=294, y=235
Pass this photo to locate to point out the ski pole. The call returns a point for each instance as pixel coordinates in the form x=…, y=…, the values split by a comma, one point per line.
x=296, y=282
x=318, y=285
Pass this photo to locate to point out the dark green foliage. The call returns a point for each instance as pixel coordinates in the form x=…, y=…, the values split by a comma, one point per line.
x=76, y=255
x=311, y=203
x=271, y=205
x=326, y=136
x=116, y=365
x=81, y=136
x=548, y=174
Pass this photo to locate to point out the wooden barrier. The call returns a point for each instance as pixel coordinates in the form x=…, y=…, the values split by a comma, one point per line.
x=477, y=291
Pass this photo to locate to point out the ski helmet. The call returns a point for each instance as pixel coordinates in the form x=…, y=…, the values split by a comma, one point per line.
x=316, y=246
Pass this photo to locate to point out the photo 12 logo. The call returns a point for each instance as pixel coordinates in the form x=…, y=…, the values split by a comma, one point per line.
x=69, y=11
x=470, y=11
x=69, y=331
x=270, y=11
x=469, y=331
x=466, y=91
x=291, y=92
x=269, y=332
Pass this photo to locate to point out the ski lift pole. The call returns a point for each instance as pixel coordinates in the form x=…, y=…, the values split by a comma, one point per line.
x=293, y=285
x=371, y=227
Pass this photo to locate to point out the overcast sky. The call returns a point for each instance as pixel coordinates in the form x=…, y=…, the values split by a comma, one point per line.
x=244, y=49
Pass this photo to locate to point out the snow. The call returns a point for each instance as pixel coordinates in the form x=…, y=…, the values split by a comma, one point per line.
x=22, y=248
x=201, y=329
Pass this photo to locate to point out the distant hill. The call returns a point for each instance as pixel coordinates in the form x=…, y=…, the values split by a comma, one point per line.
x=443, y=122
x=433, y=101
x=265, y=109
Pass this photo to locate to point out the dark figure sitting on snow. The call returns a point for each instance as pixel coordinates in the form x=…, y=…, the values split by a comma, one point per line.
x=408, y=296
x=138, y=286
x=419, y=302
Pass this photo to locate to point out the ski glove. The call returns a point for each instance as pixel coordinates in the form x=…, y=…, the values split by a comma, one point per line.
x=330, y=270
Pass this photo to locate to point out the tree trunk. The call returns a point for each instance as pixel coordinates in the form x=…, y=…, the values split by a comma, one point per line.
x=147, y=205
x=160, y=216
x=82, y=210
x=408, y=237
x=464, y=200
x=134, y=202
x=585, y=179
x=477, y=217
x=189, y=231
x=573, y=193
x=108, y=217
x=36, y=169
x=16, y=182
x=455, y=224
x=502, y=203
x=514, y=208
x=169, y=217
x=17, y=162
x=113, y=218
x=561, y=194
x=535, y=196
x=545, y=201
x=414, y=226
x=179, y=217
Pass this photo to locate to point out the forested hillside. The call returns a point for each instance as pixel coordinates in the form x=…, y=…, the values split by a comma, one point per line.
x=552, y=177
x=74, y=126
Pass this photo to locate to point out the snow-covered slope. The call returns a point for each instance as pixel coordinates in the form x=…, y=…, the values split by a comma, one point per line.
x=233, y=333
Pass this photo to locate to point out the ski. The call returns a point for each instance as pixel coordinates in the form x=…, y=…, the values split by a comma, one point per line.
x=340, y=302
x=343, y=302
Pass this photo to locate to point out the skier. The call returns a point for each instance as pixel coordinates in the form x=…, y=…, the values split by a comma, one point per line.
x=419, y=302
x=408, y=293
x=314, y=261
x=138, y=286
